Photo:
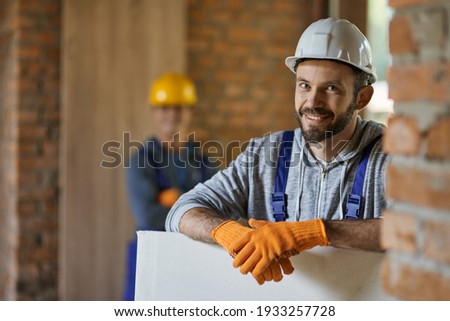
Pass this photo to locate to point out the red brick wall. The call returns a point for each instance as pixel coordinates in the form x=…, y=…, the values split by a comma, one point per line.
x=416, y=228
x=29, y=141
x=8, y=160
x=236, y=52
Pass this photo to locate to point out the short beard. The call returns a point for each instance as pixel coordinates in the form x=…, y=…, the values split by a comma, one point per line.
x=315, y=135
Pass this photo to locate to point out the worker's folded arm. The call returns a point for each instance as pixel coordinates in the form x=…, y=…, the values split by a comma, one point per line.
x=226, y=194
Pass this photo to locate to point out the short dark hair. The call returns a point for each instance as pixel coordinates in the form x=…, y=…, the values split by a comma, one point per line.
x=361, y=77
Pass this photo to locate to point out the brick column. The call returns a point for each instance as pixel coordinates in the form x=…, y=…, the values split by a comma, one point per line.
x=416, y=227
x=29, y=141
x=8, y=150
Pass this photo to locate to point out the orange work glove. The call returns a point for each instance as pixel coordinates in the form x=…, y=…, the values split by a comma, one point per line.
x=284, y=261
x=227, y=233
x=259, y=247
x=168, y=197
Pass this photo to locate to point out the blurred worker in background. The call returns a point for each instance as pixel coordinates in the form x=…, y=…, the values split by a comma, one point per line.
x=321, y=184
x=168, y=165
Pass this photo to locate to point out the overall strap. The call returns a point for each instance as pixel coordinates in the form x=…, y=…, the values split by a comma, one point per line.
x=203, y=163
x=161, y=178
x=354, y=200
x=279, y=197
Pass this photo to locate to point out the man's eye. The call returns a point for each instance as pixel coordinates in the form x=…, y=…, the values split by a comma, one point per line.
x=332, y=88
x=303, y=85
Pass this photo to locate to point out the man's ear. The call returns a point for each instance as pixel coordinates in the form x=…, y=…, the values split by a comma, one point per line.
x=364, y=97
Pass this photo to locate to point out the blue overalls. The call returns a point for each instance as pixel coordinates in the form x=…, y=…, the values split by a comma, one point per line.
x=163, y=183
x=279, y=197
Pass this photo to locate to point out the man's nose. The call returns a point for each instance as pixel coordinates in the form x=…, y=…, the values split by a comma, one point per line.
x=315, y=99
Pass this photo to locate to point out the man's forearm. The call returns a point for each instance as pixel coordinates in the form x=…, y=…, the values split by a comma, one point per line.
x=197, y=223
x=358, y=234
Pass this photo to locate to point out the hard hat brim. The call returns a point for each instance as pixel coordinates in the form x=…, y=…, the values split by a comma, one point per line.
x=291, y=61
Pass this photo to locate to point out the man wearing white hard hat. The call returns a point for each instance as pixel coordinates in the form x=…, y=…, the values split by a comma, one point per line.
x=322, y=184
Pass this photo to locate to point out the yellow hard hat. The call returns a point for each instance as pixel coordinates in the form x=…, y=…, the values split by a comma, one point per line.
x=172, y=89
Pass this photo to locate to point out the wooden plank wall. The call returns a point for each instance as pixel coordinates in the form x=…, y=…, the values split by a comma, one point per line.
x=112, y=49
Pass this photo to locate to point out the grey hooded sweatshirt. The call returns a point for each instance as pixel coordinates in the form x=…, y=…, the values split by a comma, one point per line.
x=315, y=189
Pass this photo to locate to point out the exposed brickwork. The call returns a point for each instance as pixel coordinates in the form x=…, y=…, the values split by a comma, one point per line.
x=402, y=136
x=424, y=186
x=438, y=146
x=411, y=282
x=33, y=149
x=420, y=81
x=437, y=240
x=400, y=30
x=236, y=52
x=8, y=149
x=400, y=232
x=416, y=228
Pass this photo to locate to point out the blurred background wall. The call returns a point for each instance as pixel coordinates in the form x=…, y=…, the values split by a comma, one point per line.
x=74, y=75
x=111, y=51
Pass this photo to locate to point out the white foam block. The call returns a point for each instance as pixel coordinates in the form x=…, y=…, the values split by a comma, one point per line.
x=170, y=266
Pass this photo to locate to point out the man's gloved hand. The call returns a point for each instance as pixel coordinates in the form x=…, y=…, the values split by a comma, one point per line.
x=258, y=248
x=168, y=197
x=284, y=262
x=273, y=272
x=227, y=233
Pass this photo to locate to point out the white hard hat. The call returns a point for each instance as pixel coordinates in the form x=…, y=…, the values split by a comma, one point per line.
x=335, y=39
